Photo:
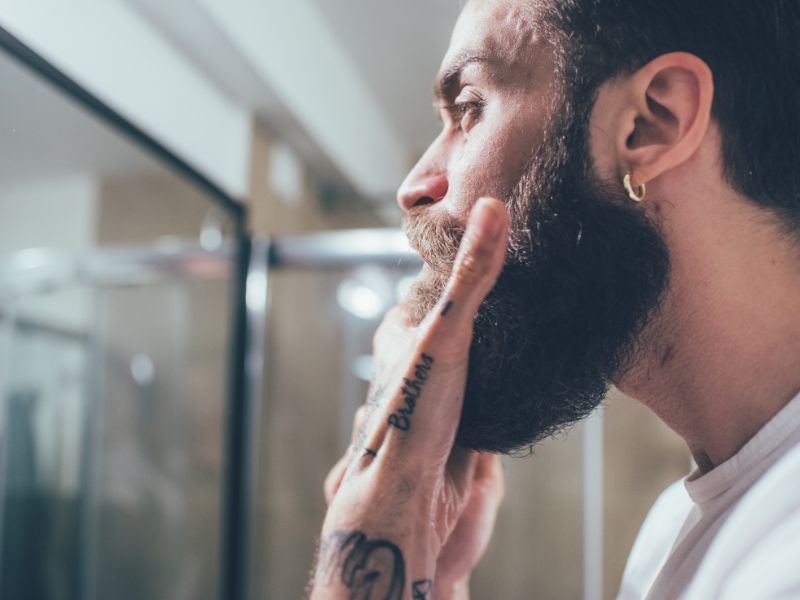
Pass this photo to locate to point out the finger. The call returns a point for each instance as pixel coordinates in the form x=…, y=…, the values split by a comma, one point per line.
x=334, y=478
x=429, y=396
x=432, y=388
x=358, y=424
x=489, y=475
x=462, y=468
x=337, y=473
x=478, y=264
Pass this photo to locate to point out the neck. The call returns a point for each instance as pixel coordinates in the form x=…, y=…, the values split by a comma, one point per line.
x=723, y=355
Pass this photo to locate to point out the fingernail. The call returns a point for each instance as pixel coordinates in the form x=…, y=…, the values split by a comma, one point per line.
x=485, y=218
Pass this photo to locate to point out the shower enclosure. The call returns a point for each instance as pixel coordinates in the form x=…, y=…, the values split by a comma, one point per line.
x=112, y=426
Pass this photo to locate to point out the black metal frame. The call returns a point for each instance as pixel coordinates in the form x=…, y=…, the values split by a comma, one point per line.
x=234, y=538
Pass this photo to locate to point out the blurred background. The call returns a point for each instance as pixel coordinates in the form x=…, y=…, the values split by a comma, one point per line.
x=198, y=237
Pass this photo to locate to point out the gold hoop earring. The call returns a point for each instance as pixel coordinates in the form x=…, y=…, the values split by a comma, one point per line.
x=631, y=193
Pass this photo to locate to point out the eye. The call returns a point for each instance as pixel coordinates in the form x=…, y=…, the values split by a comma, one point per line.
x=466, y=112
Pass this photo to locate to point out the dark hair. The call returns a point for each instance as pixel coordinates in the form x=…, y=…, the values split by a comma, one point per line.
x=753, y=50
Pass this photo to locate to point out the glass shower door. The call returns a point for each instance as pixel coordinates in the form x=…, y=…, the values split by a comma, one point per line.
x=112, y=419
x=45, y=408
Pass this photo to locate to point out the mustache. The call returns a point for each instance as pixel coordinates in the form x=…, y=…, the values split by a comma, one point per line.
x=435, y=238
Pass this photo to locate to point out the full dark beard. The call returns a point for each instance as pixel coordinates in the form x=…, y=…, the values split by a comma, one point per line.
x=584, y=274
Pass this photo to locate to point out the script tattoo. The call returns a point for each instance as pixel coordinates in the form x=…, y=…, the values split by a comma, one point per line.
x=421, y=589
x=412, y=388
x=370, y=569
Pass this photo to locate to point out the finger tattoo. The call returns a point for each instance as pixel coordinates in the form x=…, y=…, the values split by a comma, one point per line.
x=412, y=388
x=447, y=308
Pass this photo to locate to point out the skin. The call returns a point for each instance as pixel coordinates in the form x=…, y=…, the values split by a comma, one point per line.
x=721, y=358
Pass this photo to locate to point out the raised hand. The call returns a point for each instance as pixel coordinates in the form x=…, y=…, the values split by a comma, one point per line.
x=402, y=498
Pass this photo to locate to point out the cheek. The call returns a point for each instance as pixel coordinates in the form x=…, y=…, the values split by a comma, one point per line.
x=489, y=163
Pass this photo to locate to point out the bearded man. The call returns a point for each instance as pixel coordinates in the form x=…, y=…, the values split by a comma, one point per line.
x=614, y=198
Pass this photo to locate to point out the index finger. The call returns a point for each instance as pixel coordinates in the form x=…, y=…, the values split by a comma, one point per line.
x=475, y=271
x=430, y=395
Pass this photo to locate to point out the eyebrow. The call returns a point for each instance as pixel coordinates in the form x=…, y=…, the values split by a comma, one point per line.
x=448, y=81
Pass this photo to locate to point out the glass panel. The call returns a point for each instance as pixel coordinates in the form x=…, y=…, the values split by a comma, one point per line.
x=158, y=456
x=46, y=408
x=114, y=444
x=116, y=307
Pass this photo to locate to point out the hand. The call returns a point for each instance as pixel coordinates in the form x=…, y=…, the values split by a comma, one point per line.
x=464, y=548
x=473, y=531
x=405, y=492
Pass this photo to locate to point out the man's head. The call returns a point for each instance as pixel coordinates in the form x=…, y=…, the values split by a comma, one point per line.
x=548, y=104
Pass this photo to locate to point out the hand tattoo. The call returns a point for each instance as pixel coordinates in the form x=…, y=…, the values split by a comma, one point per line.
x=412, y=389
x=370, y=569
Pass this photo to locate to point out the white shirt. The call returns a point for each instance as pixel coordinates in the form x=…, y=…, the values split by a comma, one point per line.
x=733, y=533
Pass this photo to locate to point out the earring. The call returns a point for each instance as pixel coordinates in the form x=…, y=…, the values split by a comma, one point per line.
x=626, y=182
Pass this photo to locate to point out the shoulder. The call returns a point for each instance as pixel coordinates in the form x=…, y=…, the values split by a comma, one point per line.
x=757, y=552
x=655, y=539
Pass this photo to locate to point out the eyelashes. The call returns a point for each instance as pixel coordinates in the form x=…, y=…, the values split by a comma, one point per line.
x=464, y=114
x=464, y=111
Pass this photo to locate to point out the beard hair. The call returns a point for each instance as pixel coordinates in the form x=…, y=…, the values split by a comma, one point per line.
x=584, y=274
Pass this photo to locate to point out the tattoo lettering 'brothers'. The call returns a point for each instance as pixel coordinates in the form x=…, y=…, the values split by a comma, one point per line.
x=412, y=388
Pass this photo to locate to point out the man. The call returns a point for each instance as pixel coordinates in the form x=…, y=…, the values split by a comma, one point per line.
x=638, y=165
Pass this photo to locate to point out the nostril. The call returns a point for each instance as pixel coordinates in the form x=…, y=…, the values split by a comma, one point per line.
x=424, y=201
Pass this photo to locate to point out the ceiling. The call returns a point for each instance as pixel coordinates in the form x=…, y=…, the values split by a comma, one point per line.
x=393, y=49
x=45, y=135
x=397, y=47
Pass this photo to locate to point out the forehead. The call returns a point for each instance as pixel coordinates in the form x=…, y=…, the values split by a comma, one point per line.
x=504, y=30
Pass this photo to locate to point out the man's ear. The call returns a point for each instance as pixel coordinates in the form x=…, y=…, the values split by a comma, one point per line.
x=665, y=112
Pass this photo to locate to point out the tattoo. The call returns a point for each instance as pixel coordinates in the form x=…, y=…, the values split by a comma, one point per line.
x=421, y=590
x=370, y=569
x=412, y=389
x=447, y=308
x=372, y=453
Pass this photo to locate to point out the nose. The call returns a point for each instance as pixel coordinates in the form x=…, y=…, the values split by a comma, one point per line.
x=420, y=189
